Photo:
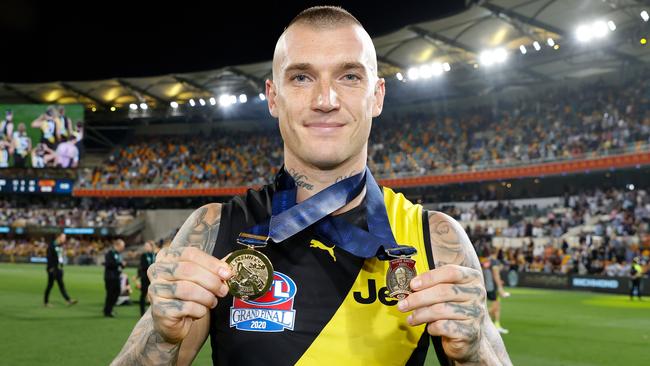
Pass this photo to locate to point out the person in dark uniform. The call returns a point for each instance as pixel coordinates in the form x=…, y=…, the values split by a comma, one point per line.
x=324, y=305
x=113, y=265
x=636, y=273
x=146, y=260
x=494, y=287
x=55, y=270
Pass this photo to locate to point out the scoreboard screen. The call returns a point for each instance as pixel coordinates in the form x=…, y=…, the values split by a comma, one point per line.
x=36, y=186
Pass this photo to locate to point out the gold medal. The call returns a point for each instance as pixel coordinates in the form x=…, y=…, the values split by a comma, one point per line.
x=252, y=274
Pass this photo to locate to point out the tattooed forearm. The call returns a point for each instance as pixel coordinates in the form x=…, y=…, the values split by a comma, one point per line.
x=450, y=243
x=200, y=229
x=147, y=347
x=301, y=180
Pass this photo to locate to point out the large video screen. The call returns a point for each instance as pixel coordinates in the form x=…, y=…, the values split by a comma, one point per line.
x=41, y=135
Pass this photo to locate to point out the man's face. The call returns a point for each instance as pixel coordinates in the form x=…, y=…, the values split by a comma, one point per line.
x=119, y=246
x=400, y=275
x=325, y=93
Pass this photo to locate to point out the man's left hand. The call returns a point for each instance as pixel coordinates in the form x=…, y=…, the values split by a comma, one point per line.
x=451, y=301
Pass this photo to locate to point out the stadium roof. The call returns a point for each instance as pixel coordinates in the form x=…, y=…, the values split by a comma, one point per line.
x=457, y=40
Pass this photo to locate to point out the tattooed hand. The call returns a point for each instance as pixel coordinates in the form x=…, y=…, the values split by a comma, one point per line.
x=451, y=300
x=184, y=283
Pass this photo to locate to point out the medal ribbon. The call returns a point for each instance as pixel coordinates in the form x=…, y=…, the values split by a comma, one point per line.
x=289, y=218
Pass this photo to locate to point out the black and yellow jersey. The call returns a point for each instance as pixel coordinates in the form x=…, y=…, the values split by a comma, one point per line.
x=325, y=306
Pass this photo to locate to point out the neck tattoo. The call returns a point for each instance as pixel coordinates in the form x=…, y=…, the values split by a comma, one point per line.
x=301, y=180
x=338, y=179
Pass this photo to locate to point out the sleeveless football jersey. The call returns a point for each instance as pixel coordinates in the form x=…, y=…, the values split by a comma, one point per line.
x=325, y=306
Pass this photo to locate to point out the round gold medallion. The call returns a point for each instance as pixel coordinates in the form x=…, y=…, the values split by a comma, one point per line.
x=253, y=274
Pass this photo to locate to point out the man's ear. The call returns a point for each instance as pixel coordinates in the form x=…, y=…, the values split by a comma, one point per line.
x=271, y=94
x=380, y=93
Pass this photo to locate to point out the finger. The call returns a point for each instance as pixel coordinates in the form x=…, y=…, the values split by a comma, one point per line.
x=196, y=255
x=189, y=271
x=449, y=273
x=177, y=309
x=183, y=290
x=440, y=293
x=459, y=330
x=445, y=311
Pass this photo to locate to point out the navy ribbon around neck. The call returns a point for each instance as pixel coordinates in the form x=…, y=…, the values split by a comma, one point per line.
x=289, y=218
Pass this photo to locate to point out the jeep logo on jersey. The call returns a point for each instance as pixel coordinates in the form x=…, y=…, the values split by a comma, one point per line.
x=273, y=312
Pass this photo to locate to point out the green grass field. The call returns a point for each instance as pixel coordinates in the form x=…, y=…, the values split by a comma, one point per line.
x=546, y=327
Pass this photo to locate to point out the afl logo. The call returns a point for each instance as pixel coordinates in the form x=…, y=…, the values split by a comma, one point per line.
x=272, y=312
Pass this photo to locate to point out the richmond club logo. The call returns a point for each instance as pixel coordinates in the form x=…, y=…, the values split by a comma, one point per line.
x=272, y=312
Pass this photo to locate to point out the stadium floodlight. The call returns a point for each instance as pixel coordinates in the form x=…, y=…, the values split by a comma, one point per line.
x=133, y=106
x=595, y=30
x=600, y=29
x=495, y=56
x=94, y=109
x=611, y=25
x=537, y=46
x=630, y=187
x=201, y=101
x=413, y=73
x=144, y=106
x=500, y=55
x=550, y=42
x=399, y=76
x=583, y=33
x=426, y=71
x=113, y=109
x=192, y=102
x=262, y=96
x=227, y=99
x=645, y=16
x=523, y=49
x=213, y=101
x=174, y=104
x=243, y=98
x=446, y=67
x=436, y=69
x=486, y=58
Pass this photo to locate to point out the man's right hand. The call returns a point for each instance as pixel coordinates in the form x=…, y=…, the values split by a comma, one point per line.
x=185, y=285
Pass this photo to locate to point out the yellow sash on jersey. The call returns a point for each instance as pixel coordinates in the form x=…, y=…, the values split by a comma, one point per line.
x=374, y=334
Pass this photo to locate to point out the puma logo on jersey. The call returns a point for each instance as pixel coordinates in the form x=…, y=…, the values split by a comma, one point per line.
x=316, y=244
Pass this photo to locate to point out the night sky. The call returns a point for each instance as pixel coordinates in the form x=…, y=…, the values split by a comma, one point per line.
x=49, y=41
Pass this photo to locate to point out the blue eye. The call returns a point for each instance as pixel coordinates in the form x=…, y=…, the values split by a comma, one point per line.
x=352, y=77
x=300, y=77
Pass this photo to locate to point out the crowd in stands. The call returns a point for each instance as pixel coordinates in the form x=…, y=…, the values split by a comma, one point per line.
x=611, y=226
x=62, y=213
x=37, y=247
x=592, y=120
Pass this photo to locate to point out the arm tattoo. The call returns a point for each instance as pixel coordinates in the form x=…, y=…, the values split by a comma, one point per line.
x=301, y=180
x=145, y=345
x=451, y=245
x=148, y=346
x=199, y=230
